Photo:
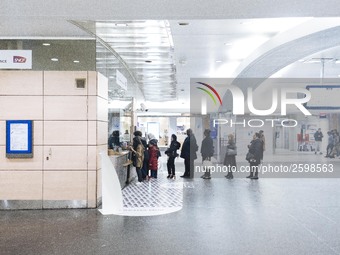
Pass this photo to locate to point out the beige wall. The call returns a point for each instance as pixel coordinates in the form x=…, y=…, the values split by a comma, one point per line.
x=70, y=129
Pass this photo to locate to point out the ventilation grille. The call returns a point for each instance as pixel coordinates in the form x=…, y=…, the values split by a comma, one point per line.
x=80, y=83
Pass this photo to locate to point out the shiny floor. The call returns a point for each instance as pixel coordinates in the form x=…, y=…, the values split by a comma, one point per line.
x=219, y=216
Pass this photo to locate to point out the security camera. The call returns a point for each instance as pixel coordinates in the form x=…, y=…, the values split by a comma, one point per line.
x=146, y=110
x=142, y=107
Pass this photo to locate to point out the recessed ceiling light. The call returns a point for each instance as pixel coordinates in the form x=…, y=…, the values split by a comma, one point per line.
x=121, y=25
x=338, y=75
x=148, y=61
x=218, y=61
x=337, y=61
x=228, y=44
x=183, y=23
x=76, y=61
x=54, y=59
x=46, y=44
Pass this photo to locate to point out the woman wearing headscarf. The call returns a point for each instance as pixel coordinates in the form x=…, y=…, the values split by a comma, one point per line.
x=230, y=156
x=171, y=152
x=154, y=154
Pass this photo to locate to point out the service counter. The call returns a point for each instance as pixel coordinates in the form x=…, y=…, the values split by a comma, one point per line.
x=123, y=165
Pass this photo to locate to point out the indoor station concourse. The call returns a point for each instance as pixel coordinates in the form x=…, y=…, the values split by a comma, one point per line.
x=170, y=127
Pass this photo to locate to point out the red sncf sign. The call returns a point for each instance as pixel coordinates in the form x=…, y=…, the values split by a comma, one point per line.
x=19, y=59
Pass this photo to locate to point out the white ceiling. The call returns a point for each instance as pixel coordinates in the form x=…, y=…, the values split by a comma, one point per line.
x=200, y=44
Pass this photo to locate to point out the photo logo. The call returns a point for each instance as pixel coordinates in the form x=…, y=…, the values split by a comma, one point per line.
x=277, y=102
x=19, y=59
x=209, y=93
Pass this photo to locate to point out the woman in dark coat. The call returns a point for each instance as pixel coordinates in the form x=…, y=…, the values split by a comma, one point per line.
x=171, y=152
x=230, y=157
x=256, y=149
x=207, y=151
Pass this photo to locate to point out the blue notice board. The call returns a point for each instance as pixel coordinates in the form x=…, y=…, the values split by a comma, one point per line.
x=19, y=140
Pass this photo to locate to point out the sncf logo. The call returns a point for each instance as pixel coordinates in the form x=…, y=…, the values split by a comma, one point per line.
x=19, y=59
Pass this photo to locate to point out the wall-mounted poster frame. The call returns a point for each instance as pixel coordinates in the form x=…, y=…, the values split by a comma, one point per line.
x=19, y=139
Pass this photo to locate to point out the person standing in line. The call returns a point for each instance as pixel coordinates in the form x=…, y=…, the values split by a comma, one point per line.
x=154, y=154
x=330, y=144
x=230, y=156
x=171, y=152
x=318, y=140
x=336, y=147
x=138, y=151
x=256, y=150
x=188, y=153
x=207, y=151
x=263, y=139
x=145, y=167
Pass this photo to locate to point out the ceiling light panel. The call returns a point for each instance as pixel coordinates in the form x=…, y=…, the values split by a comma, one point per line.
x=147, y=49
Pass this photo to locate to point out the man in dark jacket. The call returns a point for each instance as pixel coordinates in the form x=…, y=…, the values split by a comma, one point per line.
x=188, y=153
x=318, y=140
x=171, y=152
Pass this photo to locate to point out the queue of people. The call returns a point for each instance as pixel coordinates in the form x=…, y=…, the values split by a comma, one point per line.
x=146, y=155
x=333, y=146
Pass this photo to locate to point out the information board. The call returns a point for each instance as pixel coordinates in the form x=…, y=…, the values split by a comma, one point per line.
x=324, y=97
x=19, y=139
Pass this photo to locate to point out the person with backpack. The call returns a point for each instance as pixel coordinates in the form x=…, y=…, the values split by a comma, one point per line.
x=138, y=154
x=171, y=152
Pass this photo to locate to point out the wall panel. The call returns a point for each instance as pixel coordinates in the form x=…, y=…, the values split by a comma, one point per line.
x=21, y=83
x=20, y=185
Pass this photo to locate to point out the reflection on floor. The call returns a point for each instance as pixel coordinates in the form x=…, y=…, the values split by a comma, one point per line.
x=153, y=197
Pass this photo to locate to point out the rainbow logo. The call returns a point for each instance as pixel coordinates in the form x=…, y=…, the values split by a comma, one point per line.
x=209, y=92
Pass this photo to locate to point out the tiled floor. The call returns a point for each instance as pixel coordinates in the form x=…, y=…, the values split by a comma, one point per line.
x=153, y=197
x=271, y=216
